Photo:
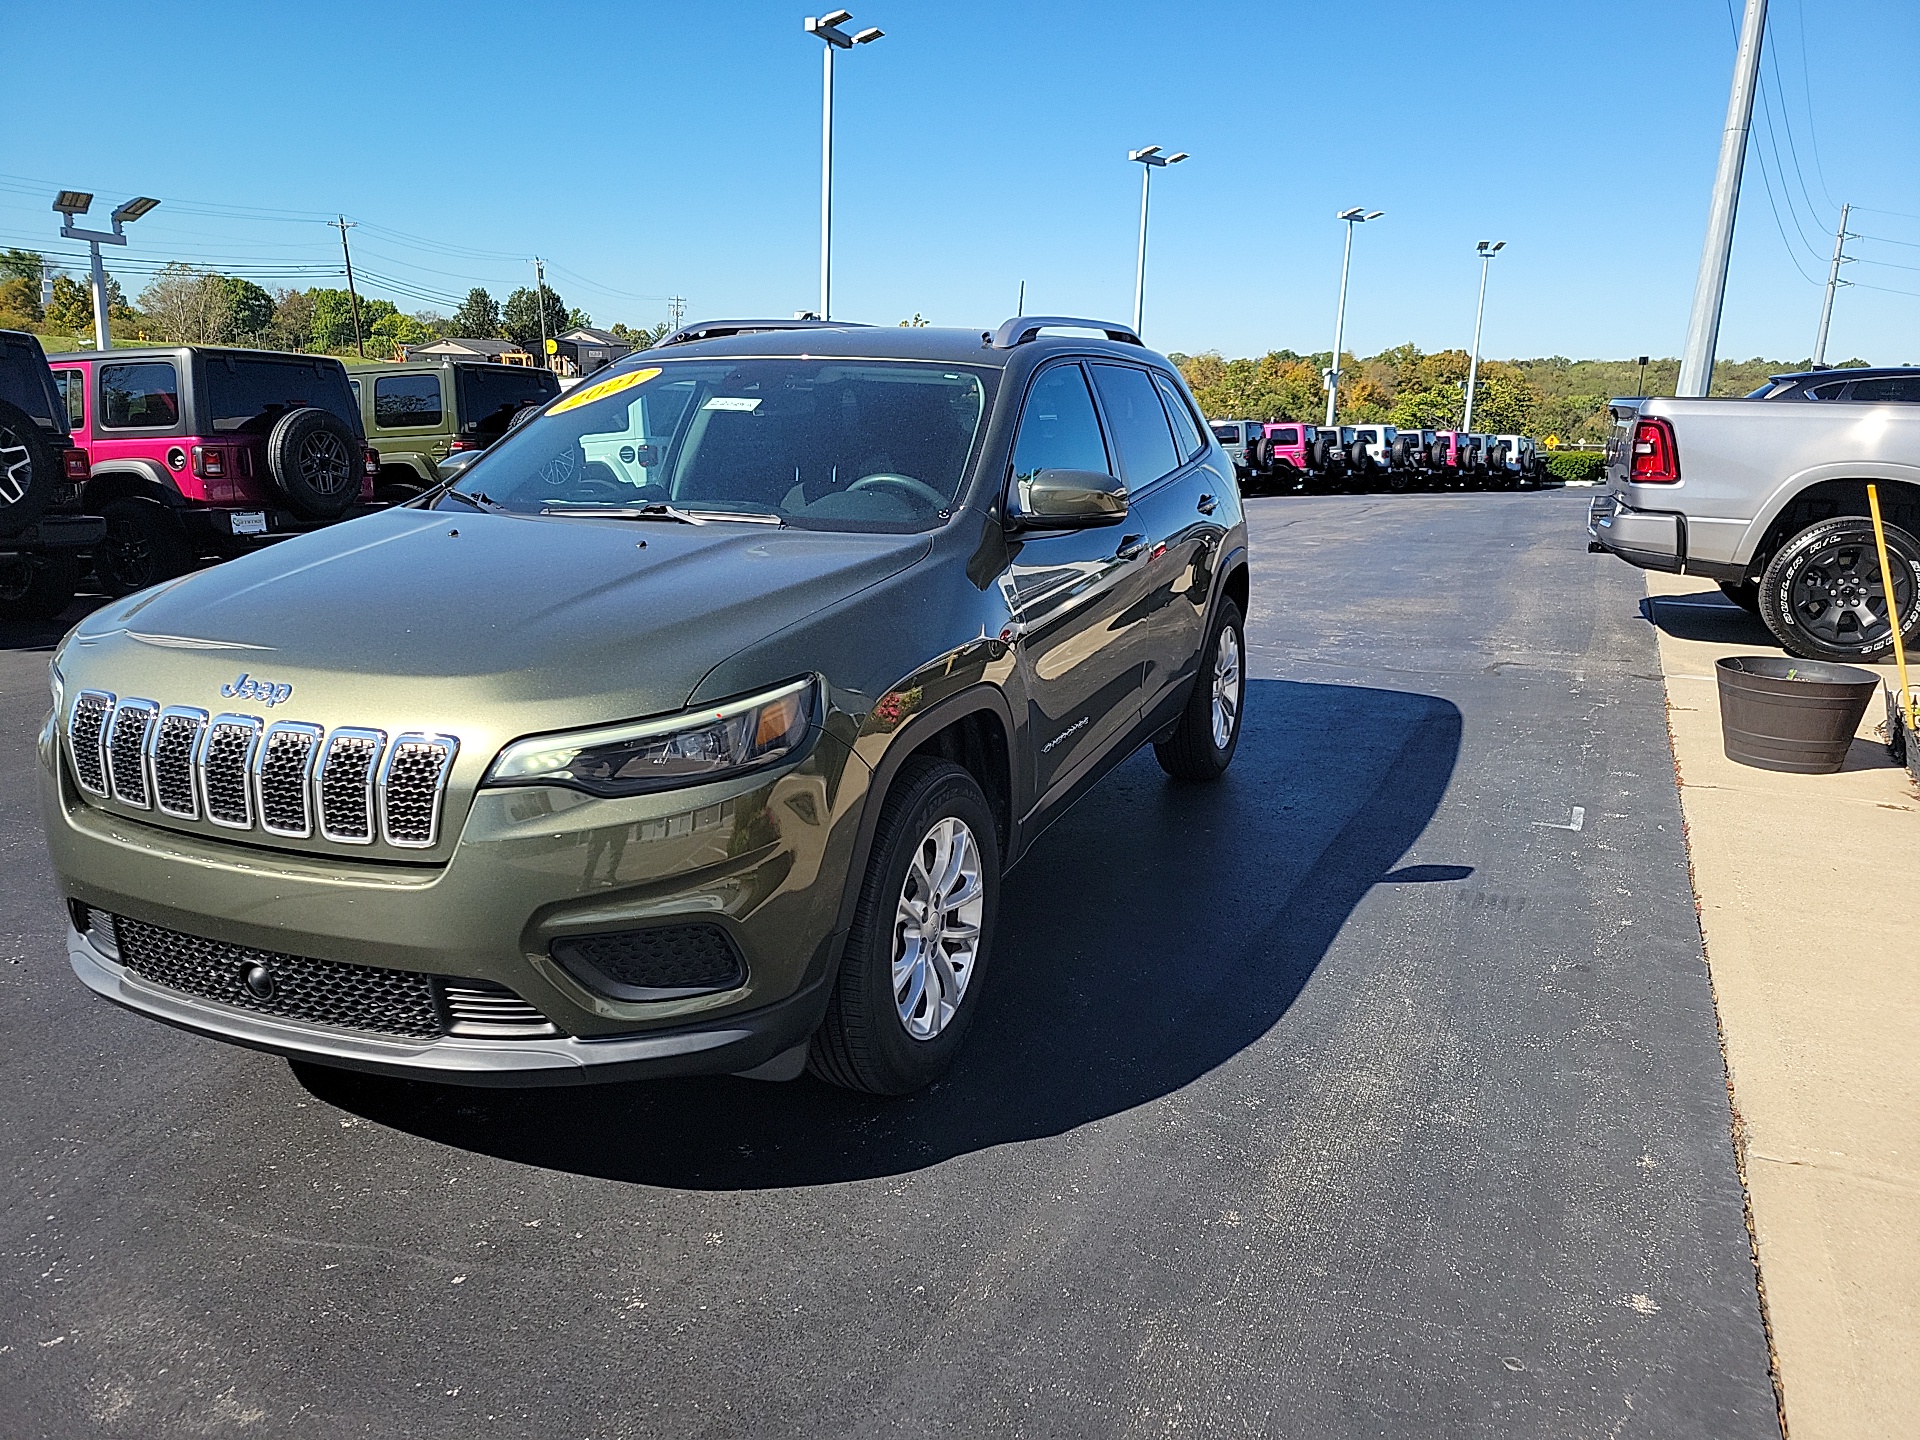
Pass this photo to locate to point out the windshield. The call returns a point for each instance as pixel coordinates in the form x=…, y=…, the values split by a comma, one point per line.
x=825, y=444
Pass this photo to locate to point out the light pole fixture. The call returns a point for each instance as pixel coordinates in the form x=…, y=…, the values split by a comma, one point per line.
x=827, y=27
x=1486, y=250
x=71, y=203
x=1357, y=215
x=1149, y=159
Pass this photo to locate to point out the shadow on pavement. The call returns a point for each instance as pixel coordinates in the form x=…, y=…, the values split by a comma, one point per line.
x=45, y=634
x=1153, y=934
x=1707, y=616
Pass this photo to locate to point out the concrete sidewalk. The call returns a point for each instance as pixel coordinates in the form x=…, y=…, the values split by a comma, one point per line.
x=1807, y=890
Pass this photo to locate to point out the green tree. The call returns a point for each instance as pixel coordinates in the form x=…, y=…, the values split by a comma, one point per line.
x=249, y=311
x=478, y=318
x=292, y=319
x=71, y=310
x=644, y=338
x=331, y=324
x=578, y=319
x=520, y=318
x=19, y=303
x=29, y=265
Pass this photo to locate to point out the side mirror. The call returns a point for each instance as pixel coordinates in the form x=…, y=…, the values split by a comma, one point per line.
x=1066, y=500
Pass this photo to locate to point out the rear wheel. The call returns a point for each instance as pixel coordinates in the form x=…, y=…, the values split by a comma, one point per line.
x=909, y=982
x=37, y=587
x=145, y=544
x=1823, y=597
x=1208, y=731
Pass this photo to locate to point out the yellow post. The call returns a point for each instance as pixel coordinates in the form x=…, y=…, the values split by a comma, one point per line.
x=1907, y=707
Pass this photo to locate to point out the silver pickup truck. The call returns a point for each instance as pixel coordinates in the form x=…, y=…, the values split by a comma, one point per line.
x=1768, y=497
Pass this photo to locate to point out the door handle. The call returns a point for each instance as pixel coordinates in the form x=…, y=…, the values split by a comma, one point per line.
x=1132, y=547
x=1206, y=504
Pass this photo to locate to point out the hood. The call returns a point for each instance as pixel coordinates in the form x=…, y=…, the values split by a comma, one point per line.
x=484, y=625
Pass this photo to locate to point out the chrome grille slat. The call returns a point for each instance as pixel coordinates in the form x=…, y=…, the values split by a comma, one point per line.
x=226, y=756
x=171, y=746
x=479, y=1007
x=345, y=786
x=87, y=739
x=412, y=779
x=127, y=751
x=282, y=778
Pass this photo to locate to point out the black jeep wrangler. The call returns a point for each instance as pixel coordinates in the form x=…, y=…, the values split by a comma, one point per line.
x=43, y=537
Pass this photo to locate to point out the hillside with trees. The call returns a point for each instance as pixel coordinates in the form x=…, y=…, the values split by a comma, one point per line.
x=184, y=304
x=1414, y=389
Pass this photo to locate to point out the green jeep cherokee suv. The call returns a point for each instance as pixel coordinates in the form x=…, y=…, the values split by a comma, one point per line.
x=690, y=730
x=419, y=413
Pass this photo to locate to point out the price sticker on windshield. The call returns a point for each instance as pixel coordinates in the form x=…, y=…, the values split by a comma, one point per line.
x=587, y=394
x=744, y=403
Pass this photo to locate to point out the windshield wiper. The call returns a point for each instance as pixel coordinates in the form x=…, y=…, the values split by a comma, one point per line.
x=660, y=510
x=479, y=499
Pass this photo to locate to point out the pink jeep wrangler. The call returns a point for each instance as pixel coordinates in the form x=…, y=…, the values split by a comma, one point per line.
x=198, y=451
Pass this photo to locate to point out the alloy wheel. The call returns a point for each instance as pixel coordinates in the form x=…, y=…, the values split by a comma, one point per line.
x=324, y=464
x=16, y=469
x=1838, y=595
x=1226, y=688
x=936, y=928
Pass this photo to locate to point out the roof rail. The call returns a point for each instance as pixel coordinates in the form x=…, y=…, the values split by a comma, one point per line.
x=716, y=329
x=1022, y=328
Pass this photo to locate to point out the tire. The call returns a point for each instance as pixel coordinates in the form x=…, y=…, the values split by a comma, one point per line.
x=1806, y=589
x=38, y=587
x=315, y=462
x=145, y=545
x=1197, y=748
x=869, y=1041
x=30, y=469
x=1437, y=455
x=1744, y=593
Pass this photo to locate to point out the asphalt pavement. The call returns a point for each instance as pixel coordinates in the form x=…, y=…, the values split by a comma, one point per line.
x=1373, y=1091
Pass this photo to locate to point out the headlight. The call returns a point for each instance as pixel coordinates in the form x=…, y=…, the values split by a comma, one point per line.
x=702, y=745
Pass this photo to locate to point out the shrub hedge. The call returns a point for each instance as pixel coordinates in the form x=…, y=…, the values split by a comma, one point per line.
x=1567, y=465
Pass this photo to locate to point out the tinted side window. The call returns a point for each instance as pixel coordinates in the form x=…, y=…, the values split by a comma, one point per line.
x=1059, y=429
x=251, y=395
x=1185, y=432
x=1887, y=387
x=1830, y=391
x=487, y=396
x=72, y=385
x=1138, y=423
x=145, y=396
x=406, y=400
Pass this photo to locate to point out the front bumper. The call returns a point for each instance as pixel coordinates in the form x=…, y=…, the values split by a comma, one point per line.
x=1651, y=539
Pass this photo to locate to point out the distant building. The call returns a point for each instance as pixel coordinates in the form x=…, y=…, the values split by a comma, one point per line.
x=500, y=352
x=585, y=350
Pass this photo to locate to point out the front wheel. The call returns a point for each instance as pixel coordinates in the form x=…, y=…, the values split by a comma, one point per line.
x=1208, y=731
x=1823, y=597
x=909, y=982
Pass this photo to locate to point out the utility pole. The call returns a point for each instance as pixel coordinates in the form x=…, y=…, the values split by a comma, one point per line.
x=540, y=304
x=827, y=27
x=343, y=225
x=1834, y=282
x=676, y=307
x=1487, y=250
x=1710, y=290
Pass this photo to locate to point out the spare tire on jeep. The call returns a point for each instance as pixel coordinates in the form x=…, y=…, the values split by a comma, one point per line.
x=315, y=461
x=29, y=469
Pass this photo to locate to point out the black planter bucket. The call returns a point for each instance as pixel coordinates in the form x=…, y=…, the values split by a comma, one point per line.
x=1793, y=715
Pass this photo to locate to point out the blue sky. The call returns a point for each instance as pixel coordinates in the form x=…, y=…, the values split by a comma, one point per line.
x=654, y=149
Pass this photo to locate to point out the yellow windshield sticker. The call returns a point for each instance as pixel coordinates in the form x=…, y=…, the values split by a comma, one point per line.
x=587, y=394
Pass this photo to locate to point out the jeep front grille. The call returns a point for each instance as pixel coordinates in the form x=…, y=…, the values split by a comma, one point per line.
x=330, y=993
x=289, y=778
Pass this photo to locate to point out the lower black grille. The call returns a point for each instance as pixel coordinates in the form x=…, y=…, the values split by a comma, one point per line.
x=654, y=963
x=366, y=998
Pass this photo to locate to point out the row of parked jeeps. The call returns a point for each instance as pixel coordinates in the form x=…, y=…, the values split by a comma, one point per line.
x=1286, y=455
x=145, y=462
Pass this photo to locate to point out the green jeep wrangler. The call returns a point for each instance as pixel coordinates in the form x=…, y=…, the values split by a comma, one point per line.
x=420, y=412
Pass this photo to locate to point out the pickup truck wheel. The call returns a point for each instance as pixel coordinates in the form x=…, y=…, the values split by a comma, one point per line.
x=1744, y=593
x=1822, y=596
x=29, y=469
x=37, y=587
x=909, y=982
x=145, y=544
x=1208, y=732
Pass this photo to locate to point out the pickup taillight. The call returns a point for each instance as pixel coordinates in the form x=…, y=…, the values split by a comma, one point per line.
x=74, y=463
x=209, y=462
x=1656, y=458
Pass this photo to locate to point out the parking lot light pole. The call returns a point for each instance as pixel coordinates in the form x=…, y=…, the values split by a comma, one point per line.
x=1358, y=215
x=1149, y=159
x=1487, y=249
x=77, y=202
x=827, y=27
